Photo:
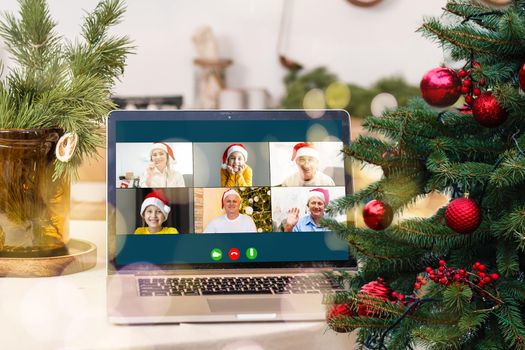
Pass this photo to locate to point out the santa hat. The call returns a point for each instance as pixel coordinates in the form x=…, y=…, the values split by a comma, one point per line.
x=320, y=193
x=234, y=147
x=227, y=193
x=163, y=146
x=157, y=199
x=304, y=149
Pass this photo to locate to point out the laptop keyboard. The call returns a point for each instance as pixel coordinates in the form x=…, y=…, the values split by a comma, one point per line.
x=236, y=285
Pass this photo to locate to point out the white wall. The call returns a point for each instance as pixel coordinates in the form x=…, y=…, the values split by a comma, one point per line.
x=360, y=45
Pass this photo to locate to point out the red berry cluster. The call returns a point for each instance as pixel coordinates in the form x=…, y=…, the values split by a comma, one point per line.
x=420, y=281
x=469, y=87
x=446, y=275
x=398, y=296
x=482, y=278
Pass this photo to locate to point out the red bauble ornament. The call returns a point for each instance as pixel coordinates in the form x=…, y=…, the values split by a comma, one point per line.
x=487, y=110
x=521, y=77
x=440, y=87
x=377, y=215
x=337, y=311
x=463, y=215
x=373, y=293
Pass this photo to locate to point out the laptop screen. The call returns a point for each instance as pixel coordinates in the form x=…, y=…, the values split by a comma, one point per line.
x=221, y=189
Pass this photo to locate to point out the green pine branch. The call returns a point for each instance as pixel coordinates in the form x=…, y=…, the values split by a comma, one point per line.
x=58, y=84
x=511, y=324
x=445, y=173
x=398, y=191
x=32, y=39
x=513, y=290
x=511, y=171
x=367, y=149
x=480, y=150
x=425, y=233
x=512, y=227
x=507, y=259
x=472, y=39
x=477, y=12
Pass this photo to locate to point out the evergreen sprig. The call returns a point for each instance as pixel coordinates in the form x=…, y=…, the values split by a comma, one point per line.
x=58, y=84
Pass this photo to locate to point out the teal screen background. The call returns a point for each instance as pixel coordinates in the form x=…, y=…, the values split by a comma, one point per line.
x=195, y=248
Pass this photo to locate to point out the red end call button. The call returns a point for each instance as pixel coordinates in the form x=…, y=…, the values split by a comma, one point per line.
x=234, y=253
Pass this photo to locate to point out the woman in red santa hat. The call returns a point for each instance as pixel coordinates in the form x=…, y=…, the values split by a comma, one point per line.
x=154, y=211
x=159, y=172
x=306, y=158
x=234, y=170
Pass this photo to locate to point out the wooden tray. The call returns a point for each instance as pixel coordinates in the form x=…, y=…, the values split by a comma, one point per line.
x=82, y=255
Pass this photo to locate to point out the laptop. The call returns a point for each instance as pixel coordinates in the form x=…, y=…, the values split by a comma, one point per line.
x=213, y=215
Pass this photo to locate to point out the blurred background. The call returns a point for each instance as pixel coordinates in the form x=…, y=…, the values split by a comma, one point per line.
x=360, y=55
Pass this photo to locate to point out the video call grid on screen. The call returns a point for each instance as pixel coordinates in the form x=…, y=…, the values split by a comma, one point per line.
x=201, y=187
x=197, y=159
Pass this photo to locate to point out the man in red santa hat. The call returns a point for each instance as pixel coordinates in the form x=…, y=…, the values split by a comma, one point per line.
x=318, y=199
x=306, y=158
x=232, y=221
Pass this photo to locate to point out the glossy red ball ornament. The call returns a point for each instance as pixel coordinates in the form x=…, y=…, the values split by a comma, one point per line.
x=463, y=215
x=338, y=311
x=377, y=215
x=521, y=77
x=372, y=294
x=440, y=87
x=488, y=111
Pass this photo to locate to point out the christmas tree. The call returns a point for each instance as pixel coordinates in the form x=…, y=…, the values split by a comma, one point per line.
x=256, y=203
x=454, y=280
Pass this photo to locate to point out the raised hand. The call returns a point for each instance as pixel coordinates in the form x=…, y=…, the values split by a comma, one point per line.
x=292, y=217
x=241, y=168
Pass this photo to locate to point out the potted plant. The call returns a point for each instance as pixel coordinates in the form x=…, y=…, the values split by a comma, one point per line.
x=53, y=102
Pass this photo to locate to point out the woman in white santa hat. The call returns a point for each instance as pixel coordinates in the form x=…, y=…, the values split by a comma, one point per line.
x=159, y=172
x=306, y=158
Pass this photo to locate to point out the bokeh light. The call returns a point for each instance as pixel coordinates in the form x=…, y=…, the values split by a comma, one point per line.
x=337, y=95
x=382, y=102
x=316, y=132
x=314, y=99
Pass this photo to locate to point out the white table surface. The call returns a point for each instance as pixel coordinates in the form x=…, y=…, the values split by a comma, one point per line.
x=69, y=312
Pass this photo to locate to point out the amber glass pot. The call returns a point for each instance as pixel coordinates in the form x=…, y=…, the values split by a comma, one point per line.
x=34, y=209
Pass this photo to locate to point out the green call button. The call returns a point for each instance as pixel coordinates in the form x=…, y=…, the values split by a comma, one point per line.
x=251, y=253
x=216, y=254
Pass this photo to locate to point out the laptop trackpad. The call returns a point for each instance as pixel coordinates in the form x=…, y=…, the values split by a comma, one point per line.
x=248, y=305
